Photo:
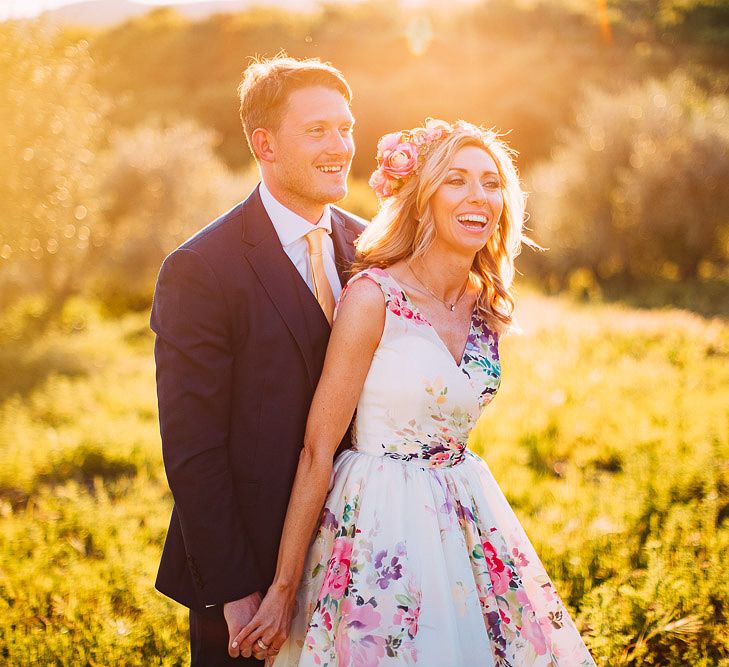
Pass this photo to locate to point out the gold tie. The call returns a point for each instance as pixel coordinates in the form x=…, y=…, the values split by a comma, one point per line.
x=322, y=288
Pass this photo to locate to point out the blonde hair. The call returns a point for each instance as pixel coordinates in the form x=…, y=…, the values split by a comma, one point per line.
x=404, y=228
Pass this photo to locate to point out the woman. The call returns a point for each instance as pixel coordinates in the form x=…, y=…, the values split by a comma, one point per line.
x=417, y=556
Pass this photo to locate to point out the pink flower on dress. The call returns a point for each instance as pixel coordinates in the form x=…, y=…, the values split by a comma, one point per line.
x=354, y=643
x=441, y=458
x=408, y=619
x=341, y=644
x=519, y=557
x=531, y=630
x=337, y=576
x=499, y=574
x=361, y=617
x=368, y=651
x=399, y=306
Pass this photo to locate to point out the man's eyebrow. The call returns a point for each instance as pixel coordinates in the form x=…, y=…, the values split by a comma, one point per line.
x=322, y=121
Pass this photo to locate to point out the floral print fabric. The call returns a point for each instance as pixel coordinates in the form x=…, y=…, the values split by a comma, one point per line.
x=418, y=558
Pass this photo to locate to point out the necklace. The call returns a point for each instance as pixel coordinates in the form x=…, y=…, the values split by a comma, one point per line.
x=450, y=305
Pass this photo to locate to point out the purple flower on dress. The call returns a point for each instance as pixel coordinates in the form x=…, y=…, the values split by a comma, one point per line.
x=328, y=520
x=388, y=573
x=464, y=513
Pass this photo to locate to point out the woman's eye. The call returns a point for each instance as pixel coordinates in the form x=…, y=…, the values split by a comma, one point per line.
x=455, y=181
x=492, y=185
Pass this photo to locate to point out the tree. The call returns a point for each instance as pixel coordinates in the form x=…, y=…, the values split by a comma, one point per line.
x=637, y=187
x=54, y=122
x=164, y=182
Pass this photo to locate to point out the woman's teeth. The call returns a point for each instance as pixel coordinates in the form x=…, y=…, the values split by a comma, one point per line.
x=472, y=221
x=331, y=170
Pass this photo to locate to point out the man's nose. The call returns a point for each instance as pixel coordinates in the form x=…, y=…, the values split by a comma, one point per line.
x=341, y=144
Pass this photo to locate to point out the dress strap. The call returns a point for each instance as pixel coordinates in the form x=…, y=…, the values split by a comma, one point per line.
x=378, y=276
x=397, y=303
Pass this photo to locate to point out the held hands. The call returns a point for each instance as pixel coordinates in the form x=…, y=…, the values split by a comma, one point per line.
x=269, y=627
x=237, y=615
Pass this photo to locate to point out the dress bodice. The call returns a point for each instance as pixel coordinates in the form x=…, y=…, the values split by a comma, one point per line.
x=413, y=376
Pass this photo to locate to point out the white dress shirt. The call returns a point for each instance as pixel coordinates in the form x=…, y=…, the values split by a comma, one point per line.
x=292, y=229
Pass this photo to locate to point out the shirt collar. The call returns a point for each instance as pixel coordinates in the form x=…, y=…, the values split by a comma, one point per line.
x=290, y=226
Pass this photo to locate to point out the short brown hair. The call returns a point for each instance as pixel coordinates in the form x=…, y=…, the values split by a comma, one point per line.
x=267, y=83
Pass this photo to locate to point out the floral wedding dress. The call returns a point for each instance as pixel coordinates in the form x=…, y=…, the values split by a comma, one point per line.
x=418, y=557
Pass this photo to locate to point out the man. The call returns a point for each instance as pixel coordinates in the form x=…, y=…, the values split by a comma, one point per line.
x=242, y=313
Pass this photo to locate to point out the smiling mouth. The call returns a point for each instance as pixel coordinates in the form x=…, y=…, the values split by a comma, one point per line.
x=331, y=169
x=473, y=222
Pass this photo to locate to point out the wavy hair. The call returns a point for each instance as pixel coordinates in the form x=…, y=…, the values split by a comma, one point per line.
x=404, y=228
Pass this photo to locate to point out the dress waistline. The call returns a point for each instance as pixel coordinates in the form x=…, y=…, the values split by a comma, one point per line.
x=440, y=460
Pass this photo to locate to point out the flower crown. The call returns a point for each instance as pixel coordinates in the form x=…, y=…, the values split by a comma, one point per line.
x=401, y=154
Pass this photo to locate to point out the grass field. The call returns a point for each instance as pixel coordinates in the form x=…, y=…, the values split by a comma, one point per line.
x=610, y=436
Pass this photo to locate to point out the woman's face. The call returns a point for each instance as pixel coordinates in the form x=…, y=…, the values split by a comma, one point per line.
x=468, y=203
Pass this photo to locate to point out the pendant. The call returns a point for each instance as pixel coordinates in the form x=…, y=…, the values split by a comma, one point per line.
x=453, y=307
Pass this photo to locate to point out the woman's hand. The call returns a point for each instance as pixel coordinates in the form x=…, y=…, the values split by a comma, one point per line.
x=270, y=626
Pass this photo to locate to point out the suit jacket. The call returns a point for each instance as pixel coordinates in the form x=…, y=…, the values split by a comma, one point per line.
x=239, y=350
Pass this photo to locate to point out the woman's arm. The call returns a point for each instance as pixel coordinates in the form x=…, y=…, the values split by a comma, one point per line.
x=355, y=336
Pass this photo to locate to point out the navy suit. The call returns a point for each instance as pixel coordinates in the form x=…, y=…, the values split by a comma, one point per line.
x=240, y=347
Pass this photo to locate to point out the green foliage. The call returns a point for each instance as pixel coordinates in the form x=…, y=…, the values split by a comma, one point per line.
x=637, y=189
x=608, y=436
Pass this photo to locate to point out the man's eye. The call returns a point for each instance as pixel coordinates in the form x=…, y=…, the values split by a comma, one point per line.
x=316, y=130
x=347, y=129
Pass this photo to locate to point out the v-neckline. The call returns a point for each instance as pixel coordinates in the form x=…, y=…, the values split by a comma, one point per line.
x=416, y=308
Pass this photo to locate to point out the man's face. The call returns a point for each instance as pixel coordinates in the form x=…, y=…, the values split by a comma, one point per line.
x=313, y=149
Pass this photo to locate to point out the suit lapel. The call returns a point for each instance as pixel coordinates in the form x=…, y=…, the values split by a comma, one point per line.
x=343, y=240
x=263, y=251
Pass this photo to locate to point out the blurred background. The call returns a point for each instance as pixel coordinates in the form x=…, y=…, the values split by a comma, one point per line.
x=120, y=137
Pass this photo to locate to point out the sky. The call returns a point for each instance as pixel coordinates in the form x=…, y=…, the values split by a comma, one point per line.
x=24, y=8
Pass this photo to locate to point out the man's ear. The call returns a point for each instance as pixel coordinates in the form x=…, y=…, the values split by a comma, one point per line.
x=263, y=144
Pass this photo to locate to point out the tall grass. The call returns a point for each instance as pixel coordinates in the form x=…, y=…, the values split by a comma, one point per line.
x=609, y=436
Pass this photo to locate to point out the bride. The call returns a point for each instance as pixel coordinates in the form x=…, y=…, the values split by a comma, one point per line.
x=416, y=555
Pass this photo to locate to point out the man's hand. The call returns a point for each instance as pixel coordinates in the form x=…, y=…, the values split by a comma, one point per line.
x=237, y=615
x=270, y=625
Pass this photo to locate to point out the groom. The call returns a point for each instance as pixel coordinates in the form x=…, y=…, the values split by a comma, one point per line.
x=242, y=313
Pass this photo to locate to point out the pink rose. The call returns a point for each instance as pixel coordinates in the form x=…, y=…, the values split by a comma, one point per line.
x=401, y=161
x=388, y=142
x=380, y=183
x=338, y=576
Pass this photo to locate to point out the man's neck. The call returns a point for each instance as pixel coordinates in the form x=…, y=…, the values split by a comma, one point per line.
x=309, y=211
